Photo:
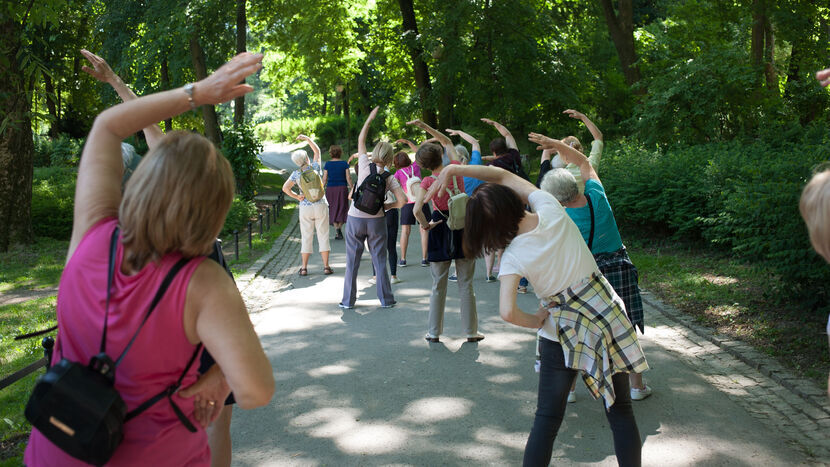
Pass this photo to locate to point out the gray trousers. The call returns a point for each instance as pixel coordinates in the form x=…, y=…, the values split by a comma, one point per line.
x=373, y=231
x=465, y=270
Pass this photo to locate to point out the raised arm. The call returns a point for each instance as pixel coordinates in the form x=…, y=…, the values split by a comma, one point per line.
x=364, y=132
x=545, y=166
x=597, y=135
x=488, y=174
x=823, y=77
x=98, y=189
x=503, y=131
x=466, y=137
x=314, y=147
x=442, y=139
x=103, y=72
x=412, y=146
x=568, y=154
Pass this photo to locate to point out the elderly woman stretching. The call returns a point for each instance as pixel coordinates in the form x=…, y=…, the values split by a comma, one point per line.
x=576, y=303
x=171, y=211
x=314, y=212
x=592, y=214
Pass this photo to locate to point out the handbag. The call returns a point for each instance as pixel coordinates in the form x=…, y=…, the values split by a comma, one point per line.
x=77, y=407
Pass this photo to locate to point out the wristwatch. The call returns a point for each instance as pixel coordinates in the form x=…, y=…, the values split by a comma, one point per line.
x=188, y=89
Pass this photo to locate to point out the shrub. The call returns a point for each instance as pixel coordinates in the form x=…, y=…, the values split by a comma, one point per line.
x=739, y=195
x=53, y=201
x=240, y=213
x=62, y=151
x=241, y=148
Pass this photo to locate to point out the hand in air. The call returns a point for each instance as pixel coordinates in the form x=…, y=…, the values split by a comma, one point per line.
x=574, y=114
x=823, y=77
x=223, y=85
x=303, y=138
x=100, y=68
x=544, y=142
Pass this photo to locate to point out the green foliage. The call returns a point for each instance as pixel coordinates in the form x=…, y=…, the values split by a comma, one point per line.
x=33, y=267
x=741, y=196
x=325, y=130
x=53, y=201
x=63, y=151
x=241, y=148
x=239, y=215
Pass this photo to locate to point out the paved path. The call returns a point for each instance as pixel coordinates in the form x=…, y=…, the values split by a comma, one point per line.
x=362, y=387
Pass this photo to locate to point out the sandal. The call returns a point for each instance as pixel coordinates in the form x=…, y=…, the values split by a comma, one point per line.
x=327, y=270
x=303, y=271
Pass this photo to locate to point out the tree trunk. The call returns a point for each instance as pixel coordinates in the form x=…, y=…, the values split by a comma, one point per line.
x=769, y=54
x=212, y=131
x=419, y=66
x=49, y=89
x=241, y=46
x=762, y=48
x=16, y=144
x=621, y=29
x=165, y=85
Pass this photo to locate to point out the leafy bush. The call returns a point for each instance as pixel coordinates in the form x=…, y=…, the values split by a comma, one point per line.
x=53, y=201
x=742, y=196
x=241, y=148
x=62, y=151
x=325, y=130
x=240, y=213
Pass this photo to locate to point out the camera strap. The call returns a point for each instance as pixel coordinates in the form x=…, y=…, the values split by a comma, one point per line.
x=170, y=390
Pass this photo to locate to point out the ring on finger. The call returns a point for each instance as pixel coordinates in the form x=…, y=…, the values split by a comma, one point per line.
x=211, y=403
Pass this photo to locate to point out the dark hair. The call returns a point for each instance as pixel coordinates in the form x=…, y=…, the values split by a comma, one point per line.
x=498, y=146
x=402, y=160
x=335, y=151
x=430, y=156
x=492, y=219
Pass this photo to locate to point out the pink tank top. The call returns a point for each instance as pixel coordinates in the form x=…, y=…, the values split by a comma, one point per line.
x=156, y=360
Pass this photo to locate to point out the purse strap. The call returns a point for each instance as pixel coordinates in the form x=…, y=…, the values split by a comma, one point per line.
x=591, y=235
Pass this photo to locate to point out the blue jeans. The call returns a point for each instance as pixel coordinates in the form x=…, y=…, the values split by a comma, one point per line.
x=554, y=384
x=523, y=282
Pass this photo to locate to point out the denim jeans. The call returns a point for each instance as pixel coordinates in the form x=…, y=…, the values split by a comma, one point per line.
x=554, y=384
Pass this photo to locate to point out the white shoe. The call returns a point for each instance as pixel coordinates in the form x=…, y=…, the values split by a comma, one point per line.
x=638, y=394
x=372, y=281
x=571, y=397
x=395, y=280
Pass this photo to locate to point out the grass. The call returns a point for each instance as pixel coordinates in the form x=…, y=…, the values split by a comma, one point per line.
x=18, y=319
x=32, y=267
x=734, y=299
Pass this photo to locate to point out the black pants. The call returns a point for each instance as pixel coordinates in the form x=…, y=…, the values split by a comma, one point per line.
x=391, y=241
x=554, y=384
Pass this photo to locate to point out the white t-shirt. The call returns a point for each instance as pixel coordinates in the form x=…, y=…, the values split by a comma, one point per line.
x=552, y=257
x=363, y=171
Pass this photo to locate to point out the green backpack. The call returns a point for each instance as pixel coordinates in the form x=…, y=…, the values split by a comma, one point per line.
x=312, y=185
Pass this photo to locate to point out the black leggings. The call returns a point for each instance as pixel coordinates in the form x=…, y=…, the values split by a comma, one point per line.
x=391, y=241
x=554, y=384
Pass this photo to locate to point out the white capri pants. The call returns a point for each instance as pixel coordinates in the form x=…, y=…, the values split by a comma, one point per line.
x=315, y=216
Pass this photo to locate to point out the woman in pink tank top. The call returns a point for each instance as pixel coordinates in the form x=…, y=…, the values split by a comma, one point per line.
x=173, y=206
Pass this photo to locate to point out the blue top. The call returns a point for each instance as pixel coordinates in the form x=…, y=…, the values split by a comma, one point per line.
x=606, y=234
x=470, y=184
x=337, y=172
x=295, y=177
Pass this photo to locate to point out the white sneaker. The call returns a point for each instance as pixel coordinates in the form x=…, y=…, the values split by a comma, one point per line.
x=395, y=280
x=571, y=397
x=372, y=281
x=638, y=394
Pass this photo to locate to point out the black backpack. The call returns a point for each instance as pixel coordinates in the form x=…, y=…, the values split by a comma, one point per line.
x=369, y=196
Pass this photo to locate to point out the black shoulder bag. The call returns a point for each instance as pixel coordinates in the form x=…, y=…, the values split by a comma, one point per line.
x=77, y=407
x=591, y=235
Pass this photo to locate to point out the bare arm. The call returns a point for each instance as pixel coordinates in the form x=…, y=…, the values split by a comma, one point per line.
x=466, y=137
x=364, y=132
x=215, y=315
x=325, y=177
x=442, y=139
x=98, y=189
x=823, y=77
x=411, y=145
x=568, y=154
x=595, y=133
x=400, y=199
x=102, y=72
x=314, y=147
x=510, y=311
x=421, y=198
x=503, y=131
x=488, y=174
x=349, y=180
x=287, y=189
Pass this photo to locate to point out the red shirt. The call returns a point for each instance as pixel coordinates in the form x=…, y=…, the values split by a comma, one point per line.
x=441, y=200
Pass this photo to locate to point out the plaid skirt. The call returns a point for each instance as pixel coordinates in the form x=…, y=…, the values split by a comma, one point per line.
x=622, y=275
x=596, y=336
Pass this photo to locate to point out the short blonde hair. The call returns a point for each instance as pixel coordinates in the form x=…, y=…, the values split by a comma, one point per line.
x=815, y=209
x=573, y=142
x=383, y=153
x=176, y=200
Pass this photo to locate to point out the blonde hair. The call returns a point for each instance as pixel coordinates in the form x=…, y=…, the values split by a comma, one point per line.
x=815, y=209
x=176, y=200
x=573, y=142
x=383, y=153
